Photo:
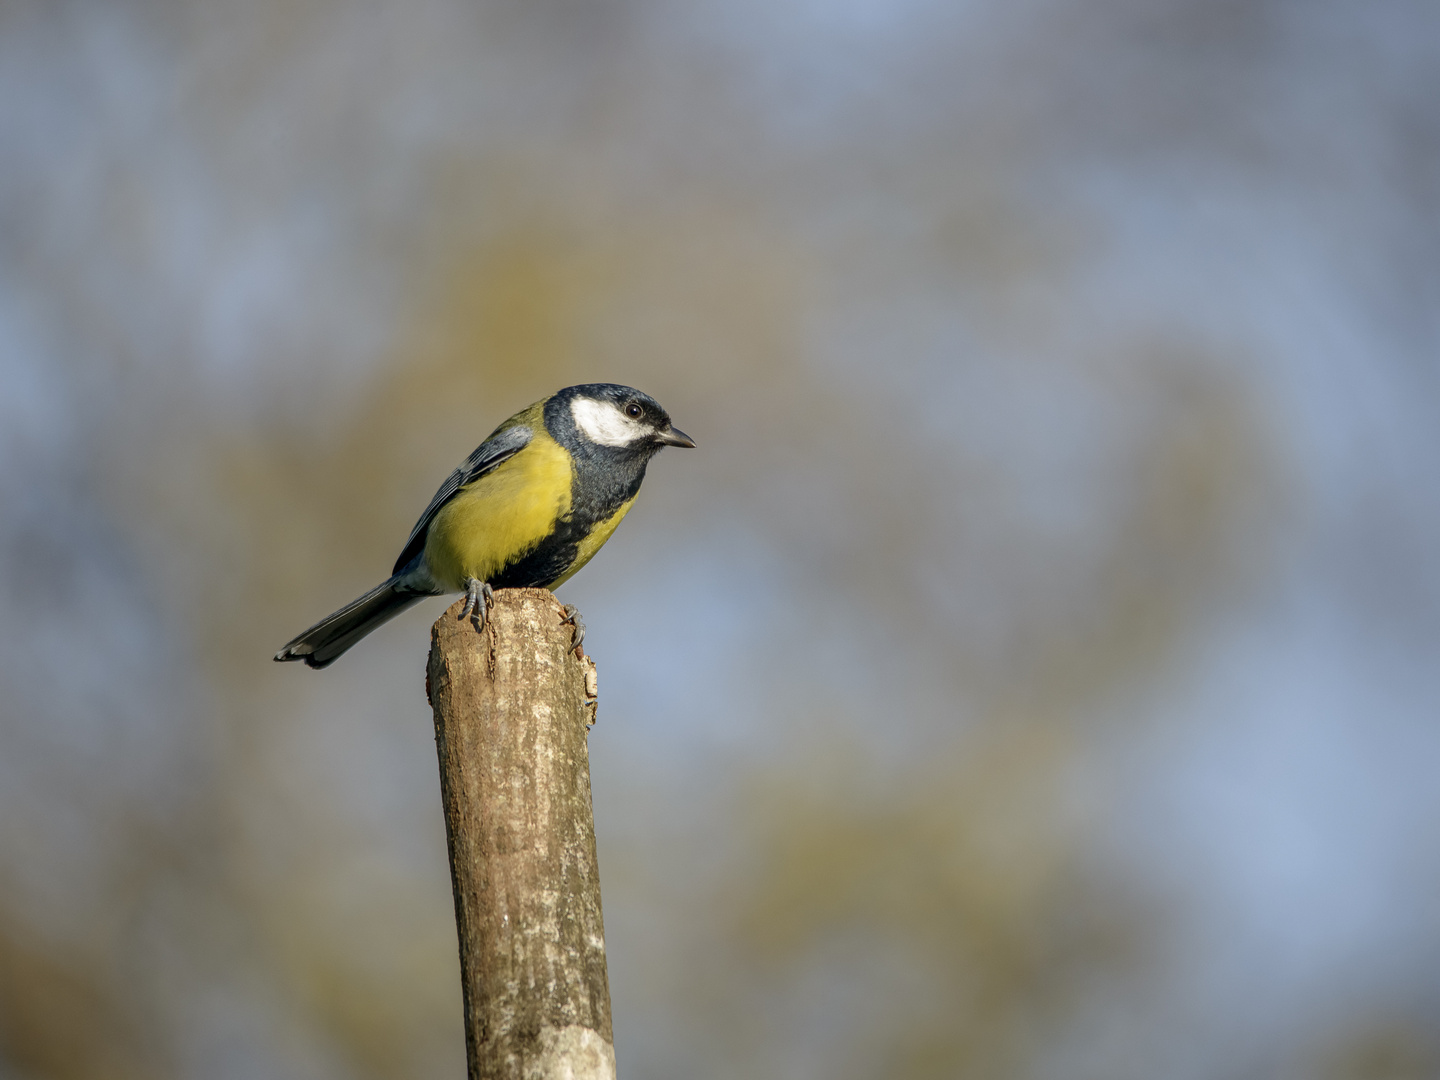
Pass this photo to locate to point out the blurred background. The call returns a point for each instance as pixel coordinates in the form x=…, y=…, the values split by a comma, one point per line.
x=1033, y=673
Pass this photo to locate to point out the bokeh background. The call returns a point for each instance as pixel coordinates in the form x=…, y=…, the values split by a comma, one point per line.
x=1033, y=674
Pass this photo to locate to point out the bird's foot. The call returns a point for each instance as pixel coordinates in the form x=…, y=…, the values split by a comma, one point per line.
x=479, y=597
x=572, y=616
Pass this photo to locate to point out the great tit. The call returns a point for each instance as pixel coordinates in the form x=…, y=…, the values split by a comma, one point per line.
x=528, y=508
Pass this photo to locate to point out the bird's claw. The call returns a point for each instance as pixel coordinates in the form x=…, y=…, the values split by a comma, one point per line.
x=479, y=598
x=572, y=616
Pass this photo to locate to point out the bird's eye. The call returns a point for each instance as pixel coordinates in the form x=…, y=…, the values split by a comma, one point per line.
x=633, y=411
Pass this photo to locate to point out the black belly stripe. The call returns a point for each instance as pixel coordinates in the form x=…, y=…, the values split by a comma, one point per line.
x=602, y=484
x=541, y=566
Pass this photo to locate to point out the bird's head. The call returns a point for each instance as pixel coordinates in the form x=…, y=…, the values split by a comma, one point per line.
x=620, y=417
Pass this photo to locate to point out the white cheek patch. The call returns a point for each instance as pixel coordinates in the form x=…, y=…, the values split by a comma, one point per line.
x=604, y=423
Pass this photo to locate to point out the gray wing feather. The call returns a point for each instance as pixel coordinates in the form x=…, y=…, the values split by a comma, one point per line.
x=490, y=454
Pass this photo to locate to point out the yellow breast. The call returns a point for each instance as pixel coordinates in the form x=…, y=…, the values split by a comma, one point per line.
x=501, y=516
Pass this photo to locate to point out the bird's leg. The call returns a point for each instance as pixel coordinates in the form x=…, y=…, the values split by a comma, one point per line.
x=479, y=597
x=572, y=616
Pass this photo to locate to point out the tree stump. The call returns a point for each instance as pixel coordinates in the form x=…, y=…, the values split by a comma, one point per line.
x=512, y=704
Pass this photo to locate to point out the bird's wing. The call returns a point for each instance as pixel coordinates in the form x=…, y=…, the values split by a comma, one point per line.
x=490, y=454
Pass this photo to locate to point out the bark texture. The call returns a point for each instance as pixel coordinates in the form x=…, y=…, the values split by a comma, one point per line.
x=511, y=709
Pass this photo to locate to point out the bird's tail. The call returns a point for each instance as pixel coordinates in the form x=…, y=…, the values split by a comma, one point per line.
x=332, y=635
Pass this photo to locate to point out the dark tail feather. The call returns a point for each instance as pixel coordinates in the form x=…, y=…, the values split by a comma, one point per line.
x=332, y=635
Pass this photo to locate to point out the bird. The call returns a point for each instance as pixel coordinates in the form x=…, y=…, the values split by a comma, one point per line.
x=529, y=508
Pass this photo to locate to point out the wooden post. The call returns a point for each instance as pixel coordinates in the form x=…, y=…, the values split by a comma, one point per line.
x=510, y=726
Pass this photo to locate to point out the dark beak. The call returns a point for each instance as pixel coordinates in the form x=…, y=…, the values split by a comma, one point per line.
x=673, y=436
